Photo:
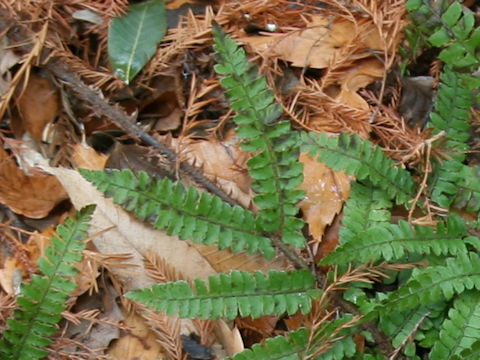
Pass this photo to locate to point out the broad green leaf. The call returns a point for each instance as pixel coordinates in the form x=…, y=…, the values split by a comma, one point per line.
x=133, y=38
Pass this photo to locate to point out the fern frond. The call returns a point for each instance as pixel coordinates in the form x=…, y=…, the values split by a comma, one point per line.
x=184, y=212
x=275, y=169
x=452, y=110
x=394, y=241
x=452, y=28
x=457, y=185
x=461, y=329
x=437, y=283
x=43, y=299
x=365, y=208
x=361, y=158
x=459, y=37
x=332, y=340
x=230, y=295
x=290, y=347
x=400, y=325
x=471, y=353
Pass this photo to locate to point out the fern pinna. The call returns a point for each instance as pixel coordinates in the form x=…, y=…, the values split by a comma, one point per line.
x=184, y=212
x=43, y=299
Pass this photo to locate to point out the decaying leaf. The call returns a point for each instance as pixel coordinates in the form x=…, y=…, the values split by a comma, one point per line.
x=139, y=344
x=32, y=196
x=319, y=44
x=86, y=157
x=130, y=235
x=326, y=191
x=221, y=161
x=38, y=105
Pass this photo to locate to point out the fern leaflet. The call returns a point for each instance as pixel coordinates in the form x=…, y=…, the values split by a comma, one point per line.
x=230, y=295
x=167, y=205
x=275, y=168
x=461, y=329
x=361, y=158
x=43, y=299
x=364, y=208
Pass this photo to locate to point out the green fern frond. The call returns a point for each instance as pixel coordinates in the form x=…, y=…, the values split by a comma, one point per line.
x=471, y=353
x=365, y=208
x=230, y=295
x=461, y=329
x=275, y=169
x=301, y=344
x=436, y=283
x=458, y=36
x=361, y=158
x=394, y=241
x=452, y=28
x=457, y=185
x=399, y=326
x=452, y=110
x=290, y=347
x=44, y=298
x=184, y=212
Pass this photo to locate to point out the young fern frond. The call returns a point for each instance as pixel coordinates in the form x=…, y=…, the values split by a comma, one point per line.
x=43, y=299
x=461, y=328
x=436, y=283
x=184, y=212
x=365, y=208
x=236, y=294
x=275, y=169
x=394, y=241
x=361, y=158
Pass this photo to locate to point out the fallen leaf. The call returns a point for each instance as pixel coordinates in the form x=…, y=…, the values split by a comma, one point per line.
x=319, y=44
x=38, y=105
x=86, y=157
x=326, y=191
x=222, y=162
x=356, y=78
x=130, y=235
x=31, y=196
x=137, y=344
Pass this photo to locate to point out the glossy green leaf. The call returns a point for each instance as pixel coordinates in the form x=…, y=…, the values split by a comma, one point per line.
x=133, y=38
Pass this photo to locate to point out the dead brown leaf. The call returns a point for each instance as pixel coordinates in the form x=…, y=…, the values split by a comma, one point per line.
x=221, y=161
x=326, y=191
x=38, y=105
x=32, y=196
x=319, y=44
x=86, y=157
x=137, y=344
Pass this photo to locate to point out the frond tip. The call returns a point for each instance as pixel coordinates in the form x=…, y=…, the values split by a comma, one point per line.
x=234, y=294
x=43, y=299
